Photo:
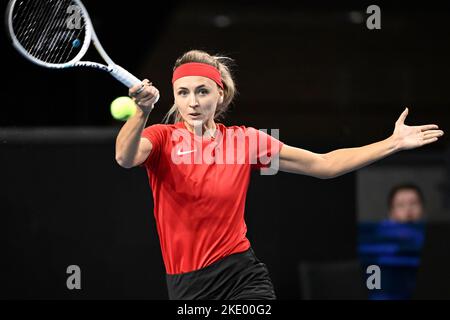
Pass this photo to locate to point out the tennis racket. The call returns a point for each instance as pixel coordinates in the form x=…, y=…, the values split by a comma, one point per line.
x=57, y=34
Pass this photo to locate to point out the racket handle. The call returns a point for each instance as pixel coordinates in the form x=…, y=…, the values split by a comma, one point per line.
x=124, y=76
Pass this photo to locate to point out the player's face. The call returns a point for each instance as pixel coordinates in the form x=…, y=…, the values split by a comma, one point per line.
x=406, y=206
x=196, y=98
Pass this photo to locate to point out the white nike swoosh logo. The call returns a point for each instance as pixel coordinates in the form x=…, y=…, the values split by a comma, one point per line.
x=184, y=152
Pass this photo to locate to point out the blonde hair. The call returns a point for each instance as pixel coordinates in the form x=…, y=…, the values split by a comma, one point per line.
x=223, y=64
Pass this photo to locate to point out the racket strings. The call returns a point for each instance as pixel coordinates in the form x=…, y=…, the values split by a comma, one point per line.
x=23, y=32
x=72, y=45
x=44, y=27
x=56, y=30
x=51, y=36
x=32, y=21
x=48, y=30
x=66, y=38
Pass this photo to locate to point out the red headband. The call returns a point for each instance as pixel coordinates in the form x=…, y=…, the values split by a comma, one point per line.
x=197, y=69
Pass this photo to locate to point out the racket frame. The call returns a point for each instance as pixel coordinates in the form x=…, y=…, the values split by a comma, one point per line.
x=115, y=70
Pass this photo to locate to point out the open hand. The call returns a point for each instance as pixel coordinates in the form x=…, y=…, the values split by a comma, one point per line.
x=410, y=137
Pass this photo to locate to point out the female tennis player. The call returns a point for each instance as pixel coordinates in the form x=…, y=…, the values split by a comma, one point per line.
x=199, y=204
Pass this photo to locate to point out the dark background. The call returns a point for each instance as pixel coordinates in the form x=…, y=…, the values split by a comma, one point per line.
x=311, y=69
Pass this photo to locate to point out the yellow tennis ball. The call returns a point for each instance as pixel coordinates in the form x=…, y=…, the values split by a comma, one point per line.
x=123, y=108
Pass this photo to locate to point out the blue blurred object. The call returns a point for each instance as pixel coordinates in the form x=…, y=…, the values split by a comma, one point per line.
x=396, y=249
x=76, y=43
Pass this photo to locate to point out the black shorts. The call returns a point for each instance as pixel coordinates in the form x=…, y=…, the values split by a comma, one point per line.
x=239, y=276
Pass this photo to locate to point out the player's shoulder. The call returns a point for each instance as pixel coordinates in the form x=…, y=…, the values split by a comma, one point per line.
x=238, y=130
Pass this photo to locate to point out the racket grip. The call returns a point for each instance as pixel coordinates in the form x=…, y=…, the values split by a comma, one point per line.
x=124, y=76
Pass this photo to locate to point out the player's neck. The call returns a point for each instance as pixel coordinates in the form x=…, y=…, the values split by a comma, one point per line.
x=207, y=129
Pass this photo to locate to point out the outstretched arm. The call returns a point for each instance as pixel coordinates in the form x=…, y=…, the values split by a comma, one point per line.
x=342, y=161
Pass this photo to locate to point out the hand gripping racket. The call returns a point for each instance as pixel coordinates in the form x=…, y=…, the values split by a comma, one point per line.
x=57, y=34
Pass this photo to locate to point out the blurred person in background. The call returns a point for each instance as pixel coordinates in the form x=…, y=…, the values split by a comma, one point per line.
x=406, y=203
x=395, y=244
